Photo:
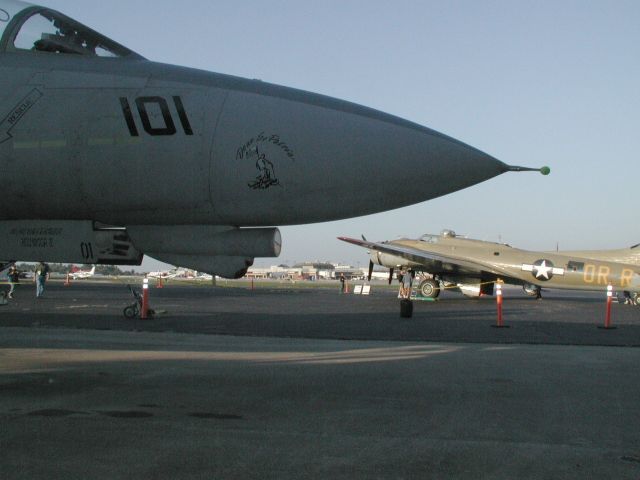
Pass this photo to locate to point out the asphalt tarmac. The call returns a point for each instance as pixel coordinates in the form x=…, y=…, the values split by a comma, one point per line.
x=564, y=318
x=307, y=383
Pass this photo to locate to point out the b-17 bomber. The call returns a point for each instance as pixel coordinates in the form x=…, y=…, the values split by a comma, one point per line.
x=474, y=266
x=107, y=156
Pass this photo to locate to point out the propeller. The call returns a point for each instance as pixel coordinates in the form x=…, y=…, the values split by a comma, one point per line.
x=390, y=275
x=370, y=270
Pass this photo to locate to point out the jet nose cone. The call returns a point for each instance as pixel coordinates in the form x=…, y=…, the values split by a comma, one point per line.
x=309, y=158
x=377, y=162
x=430, y=164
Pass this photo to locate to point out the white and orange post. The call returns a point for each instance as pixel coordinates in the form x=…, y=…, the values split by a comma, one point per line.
x=607, y=318
x=144, y=309
x=499, y=303
x=499, y=321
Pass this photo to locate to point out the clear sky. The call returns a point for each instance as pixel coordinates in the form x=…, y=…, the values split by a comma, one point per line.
x=530, y=82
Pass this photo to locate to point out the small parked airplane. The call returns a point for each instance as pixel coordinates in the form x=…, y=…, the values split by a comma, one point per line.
x=76, y=273
x=165, y=274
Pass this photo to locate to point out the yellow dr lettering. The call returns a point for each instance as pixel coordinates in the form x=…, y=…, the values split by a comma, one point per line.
x=589, y=273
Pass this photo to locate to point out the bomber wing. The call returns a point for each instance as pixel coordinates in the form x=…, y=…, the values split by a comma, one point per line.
x=434, y=263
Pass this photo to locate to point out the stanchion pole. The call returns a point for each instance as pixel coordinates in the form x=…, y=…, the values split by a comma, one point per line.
x=499, y=302
x=499, y=321
x=607, y=318
x=144, y=310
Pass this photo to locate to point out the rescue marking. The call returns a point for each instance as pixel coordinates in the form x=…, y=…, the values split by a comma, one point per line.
x=19, y=111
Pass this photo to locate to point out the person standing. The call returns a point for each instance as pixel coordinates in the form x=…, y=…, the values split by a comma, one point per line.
x=14, y=278
x=41, y=276
x=342, y=280
x=407, y=280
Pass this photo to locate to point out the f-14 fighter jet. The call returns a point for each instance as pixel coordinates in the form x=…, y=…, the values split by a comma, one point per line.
x=96, y=140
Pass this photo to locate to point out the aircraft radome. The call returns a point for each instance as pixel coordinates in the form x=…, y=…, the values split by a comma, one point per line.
x=473, y=266
x=95, y=142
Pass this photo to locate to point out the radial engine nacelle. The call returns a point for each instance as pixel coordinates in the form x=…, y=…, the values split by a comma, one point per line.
x=391, y=261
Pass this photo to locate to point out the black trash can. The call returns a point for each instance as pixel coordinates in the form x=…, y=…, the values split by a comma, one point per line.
x=406, y=308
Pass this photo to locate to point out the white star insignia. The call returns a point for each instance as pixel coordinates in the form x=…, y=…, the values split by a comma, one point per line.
x=542, y=270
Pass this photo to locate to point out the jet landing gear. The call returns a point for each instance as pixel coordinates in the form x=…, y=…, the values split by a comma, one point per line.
x=133, y=310
x=429, y=288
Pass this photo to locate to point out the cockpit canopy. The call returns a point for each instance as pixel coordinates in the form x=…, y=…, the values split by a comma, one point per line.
x=29, y=28
x=428, y=238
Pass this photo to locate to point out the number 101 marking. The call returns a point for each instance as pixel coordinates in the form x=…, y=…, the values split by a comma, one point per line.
x=169, y=127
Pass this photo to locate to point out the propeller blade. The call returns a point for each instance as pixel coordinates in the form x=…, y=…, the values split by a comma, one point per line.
x=370, y=270
x=390, y=275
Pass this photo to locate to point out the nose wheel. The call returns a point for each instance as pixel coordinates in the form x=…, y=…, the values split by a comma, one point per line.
x=131, y=311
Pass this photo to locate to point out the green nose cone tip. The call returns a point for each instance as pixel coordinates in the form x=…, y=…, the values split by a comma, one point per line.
x=545, y=170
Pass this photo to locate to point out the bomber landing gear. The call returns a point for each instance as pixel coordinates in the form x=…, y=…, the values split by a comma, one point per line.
x=532, y=291
x=429, y=288
x=630, y=299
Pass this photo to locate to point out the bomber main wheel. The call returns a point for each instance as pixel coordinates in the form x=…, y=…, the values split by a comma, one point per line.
x=532, y=290
x=429, y=288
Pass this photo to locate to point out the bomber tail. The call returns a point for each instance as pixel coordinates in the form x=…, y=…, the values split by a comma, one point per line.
x=630, y=256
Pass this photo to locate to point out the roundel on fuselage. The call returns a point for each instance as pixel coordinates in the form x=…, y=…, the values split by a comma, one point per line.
x=543, y=269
